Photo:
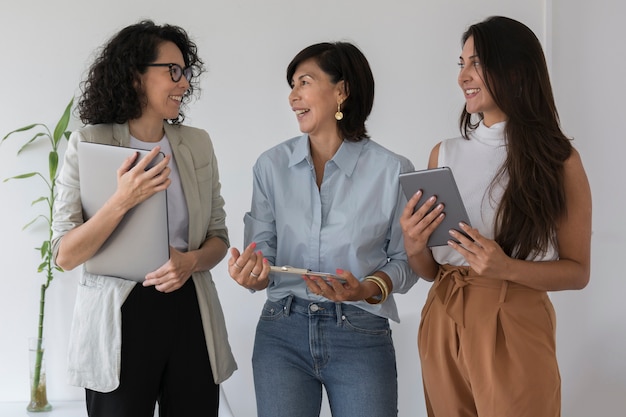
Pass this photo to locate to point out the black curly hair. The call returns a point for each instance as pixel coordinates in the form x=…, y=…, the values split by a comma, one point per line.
x=109, y=94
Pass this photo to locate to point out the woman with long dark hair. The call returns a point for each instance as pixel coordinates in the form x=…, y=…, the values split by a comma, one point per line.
x=487, y=335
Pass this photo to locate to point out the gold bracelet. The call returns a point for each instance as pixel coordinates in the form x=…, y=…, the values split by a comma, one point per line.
x=382, y=285
x=384, y=290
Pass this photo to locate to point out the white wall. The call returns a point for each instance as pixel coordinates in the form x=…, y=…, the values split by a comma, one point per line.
x=588, y=71
x=413, y=48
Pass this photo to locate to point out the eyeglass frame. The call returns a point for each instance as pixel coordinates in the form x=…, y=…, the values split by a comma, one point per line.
x=183, y=71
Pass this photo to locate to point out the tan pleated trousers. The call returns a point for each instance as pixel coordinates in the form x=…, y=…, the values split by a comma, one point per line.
x=487, y=348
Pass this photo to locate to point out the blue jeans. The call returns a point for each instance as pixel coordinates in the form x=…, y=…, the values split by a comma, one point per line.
x=301, y=345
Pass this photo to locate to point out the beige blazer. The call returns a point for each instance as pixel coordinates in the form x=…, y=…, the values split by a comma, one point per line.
x=95, y=338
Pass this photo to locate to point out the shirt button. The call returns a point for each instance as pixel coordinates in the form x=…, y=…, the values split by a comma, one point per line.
x=314, y=307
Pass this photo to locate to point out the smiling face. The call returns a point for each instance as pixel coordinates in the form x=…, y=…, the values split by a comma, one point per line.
x=163, y=96
x=314, y=99
x=477, y=97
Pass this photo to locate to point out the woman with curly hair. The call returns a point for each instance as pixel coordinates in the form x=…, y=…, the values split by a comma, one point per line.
x=487, y=335
x=165, y=339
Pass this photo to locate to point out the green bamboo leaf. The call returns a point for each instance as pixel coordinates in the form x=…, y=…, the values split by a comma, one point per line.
x=40, y=199
x=27, y=225
x=42, y=266
x=61, y=126
x=33, y=221
x=45, y=249
x=22, y=176
x=21, y=129
x=53, y=162
x=34, y=138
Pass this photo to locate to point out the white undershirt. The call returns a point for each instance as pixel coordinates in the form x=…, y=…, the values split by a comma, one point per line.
x=177, y=213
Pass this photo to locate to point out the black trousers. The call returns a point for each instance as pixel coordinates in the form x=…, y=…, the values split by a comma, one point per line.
x=164, y=358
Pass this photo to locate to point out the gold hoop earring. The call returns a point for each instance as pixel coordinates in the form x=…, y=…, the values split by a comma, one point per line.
x=339, y=114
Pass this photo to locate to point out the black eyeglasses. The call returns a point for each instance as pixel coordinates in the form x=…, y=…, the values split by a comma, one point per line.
x=176, y=71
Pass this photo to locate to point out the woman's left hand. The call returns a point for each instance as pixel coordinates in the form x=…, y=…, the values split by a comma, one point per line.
x=348, y=289
x=484, y=255
x=172, y=275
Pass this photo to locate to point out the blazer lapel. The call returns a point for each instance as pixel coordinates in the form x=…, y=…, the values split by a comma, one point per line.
x=121, y=135
x=186, y=170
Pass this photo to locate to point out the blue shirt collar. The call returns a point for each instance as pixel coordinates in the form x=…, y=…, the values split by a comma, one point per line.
x=345, y=158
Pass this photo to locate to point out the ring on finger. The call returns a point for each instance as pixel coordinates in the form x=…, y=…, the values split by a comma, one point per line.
x=238, y=266
x=252, y=274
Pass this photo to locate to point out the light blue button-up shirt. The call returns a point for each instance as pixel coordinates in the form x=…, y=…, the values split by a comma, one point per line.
x=352, y=222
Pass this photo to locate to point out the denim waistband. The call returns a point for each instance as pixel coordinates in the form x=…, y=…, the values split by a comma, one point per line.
x=292, y=304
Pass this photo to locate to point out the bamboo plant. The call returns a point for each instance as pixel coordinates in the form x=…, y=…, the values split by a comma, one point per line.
x=39, y=400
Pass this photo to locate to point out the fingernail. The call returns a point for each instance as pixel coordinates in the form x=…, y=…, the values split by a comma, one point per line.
x=253, y=245
x=339, y=271
x=265, y=260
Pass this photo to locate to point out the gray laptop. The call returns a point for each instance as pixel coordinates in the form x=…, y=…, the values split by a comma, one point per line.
x=140, y=243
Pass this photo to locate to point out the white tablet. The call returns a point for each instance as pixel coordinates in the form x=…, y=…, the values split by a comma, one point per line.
x=286, y=269
x=438, y=182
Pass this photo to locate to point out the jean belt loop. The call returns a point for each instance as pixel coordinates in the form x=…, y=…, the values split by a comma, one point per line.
x=287, y=306
x=339, y=311
x=503, y=290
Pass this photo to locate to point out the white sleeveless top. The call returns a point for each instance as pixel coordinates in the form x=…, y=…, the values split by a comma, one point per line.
x=474, y=163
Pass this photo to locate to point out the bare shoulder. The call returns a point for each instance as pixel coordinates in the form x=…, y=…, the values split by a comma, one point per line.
x=433, y=159
x=577, y=191
x=574, y=169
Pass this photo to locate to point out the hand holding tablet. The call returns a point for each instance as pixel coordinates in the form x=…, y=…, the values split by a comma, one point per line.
x=440, y=183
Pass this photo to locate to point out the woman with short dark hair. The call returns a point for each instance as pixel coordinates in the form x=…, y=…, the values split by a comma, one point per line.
x=326, y=201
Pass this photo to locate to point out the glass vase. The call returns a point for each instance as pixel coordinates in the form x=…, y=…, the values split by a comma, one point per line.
x=37, y=365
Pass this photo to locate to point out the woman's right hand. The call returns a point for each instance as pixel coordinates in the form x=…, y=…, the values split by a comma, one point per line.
x=250, y=269
x=137, y=183
x=418, y=225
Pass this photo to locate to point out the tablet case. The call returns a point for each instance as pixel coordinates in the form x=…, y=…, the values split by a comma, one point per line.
x=439, y=182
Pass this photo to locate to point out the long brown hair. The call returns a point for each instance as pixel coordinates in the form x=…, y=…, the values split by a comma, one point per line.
x=516, y=76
